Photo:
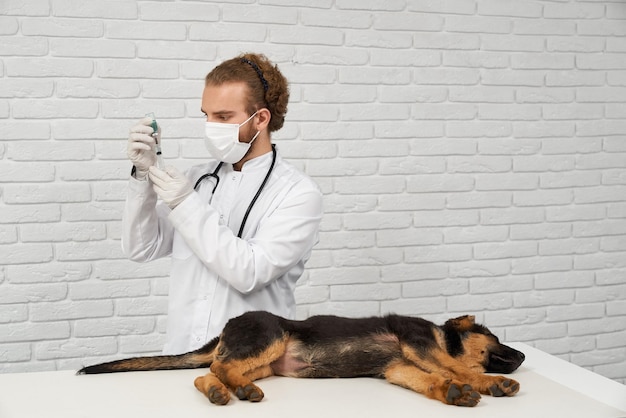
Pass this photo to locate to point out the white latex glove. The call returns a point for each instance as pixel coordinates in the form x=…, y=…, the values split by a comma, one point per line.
x=140, y=148
x=170, y=184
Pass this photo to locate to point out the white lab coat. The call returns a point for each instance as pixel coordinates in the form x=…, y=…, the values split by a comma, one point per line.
x=214, y=275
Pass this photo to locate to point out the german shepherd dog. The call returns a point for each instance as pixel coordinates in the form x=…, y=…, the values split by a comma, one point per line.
x=446, y=362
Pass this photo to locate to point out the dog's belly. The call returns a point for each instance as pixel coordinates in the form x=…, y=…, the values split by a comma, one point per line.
x=353, y=357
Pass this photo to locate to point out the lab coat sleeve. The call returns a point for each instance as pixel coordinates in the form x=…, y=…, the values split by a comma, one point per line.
x=146, y=233
x=284, y=238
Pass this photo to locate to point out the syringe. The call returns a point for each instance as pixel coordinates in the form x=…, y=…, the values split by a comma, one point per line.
x=157, y=146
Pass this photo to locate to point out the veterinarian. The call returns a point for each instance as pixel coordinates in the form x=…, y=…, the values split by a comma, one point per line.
x=240, y=227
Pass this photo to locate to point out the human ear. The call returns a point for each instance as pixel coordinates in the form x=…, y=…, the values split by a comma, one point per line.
x=263, y=119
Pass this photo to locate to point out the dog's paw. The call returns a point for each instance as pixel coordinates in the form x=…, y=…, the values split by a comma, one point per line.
x=218, y=395
x=503, y=386
x=250, y=392
x=213, y=389
x=462, y=395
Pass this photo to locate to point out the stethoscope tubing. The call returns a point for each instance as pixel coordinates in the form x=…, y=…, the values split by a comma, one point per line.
x=256, y=196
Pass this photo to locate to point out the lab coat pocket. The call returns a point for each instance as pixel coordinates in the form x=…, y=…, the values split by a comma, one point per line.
x=180, y=249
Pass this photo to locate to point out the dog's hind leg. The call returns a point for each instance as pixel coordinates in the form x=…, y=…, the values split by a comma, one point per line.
x=217, y=392
x=238, y=374
x=434, y=386
x=213, y=389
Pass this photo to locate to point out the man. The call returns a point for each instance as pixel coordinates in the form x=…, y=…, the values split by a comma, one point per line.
x=239, y=228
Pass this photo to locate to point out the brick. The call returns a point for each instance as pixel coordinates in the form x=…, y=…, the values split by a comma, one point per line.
x=376, y=221
x=18, y=46
x=416, y=58
x=482, y=268
x=479, y=200
x=438, y=254
x=537, y=332
x=53, y=27
x=109, y=290
x=53, y=272
x=49, y=109
x=516, y=181
x=509, y=8
x=53, y=232
x=411, y=202
x=13, y=313
x=411, y=273
x=15, y=353
x=375, y=75
x=414, y=306
x=35, y=332
x=26, y=88
x=50, y=350
x=49, y=67
x=477, y=24
x=329, y=18
x=504, y=250
x=109, y=327
x=559, y=280
x=137, y=69
x=54, y=311
x=145, y=345
x=543, y=198
x=105, y=9
x=540, y=231
x=366, y=257
x=434, y=288
x=440, y=183
x=306, y=36
x=482, y=285
x=49, y=151
x=8, y=25
x=392, y=5
x=408, y=237
x=365, y=292
x=542, y=264
x=311, y=295
x=316, y=55
x=569, y=246
x=348, y=239
x=508, y=77
x=92, y=48
x=25, y=253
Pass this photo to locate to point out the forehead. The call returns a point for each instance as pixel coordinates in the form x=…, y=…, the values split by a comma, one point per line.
x=225, y=97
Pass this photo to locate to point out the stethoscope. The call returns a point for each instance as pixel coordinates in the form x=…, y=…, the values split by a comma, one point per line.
x=256, y=196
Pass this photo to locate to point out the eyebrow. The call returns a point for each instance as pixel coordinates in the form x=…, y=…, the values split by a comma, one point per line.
x=219, y=112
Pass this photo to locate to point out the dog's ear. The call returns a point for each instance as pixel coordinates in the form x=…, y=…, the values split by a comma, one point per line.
x=462, y=323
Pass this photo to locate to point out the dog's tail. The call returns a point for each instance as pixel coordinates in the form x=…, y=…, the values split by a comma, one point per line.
x=202, y=357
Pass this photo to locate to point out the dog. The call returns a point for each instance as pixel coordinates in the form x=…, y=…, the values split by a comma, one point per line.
x=446, y=363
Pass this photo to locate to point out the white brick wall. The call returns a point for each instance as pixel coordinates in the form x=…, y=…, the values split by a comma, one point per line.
x=472, y=154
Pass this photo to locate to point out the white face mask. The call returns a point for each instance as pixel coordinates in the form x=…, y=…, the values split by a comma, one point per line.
x=222, y=141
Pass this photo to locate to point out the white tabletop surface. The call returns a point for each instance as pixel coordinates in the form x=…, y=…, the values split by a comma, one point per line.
x=550, y=387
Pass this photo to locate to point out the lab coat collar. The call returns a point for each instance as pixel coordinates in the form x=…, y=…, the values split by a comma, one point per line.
x=260, y=162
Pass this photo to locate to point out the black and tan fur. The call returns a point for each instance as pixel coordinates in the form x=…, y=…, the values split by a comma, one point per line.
x=446, y=362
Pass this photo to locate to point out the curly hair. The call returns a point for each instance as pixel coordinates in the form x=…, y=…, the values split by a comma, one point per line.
x=267, y=86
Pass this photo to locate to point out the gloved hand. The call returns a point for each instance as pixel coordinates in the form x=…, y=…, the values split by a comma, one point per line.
x=171, y=185
x=140, y=147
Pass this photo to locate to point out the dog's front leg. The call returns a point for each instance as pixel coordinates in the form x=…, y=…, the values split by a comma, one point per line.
x=434, y=386
x=485, y=384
